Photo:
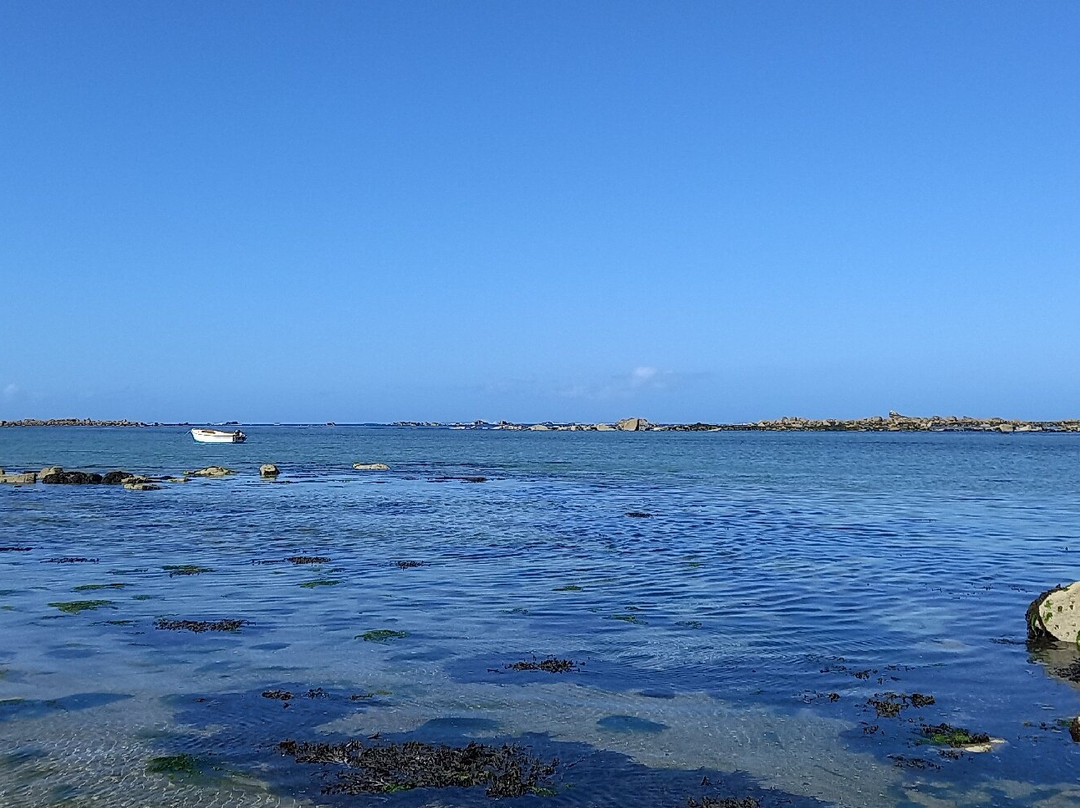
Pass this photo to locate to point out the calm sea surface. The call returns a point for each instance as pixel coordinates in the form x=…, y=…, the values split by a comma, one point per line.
x=731, y=637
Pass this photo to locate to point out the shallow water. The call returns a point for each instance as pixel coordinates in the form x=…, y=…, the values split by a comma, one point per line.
x=772, y=570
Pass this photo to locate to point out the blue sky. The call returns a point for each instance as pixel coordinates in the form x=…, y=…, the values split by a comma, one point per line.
x=371, y=211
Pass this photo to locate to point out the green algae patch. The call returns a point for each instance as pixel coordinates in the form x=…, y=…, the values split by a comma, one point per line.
x=383, y=635
x=300, y=559
x=185, y=569
x=953, y=737
x=93, y=587
x=629, y=618
x=567, y=588
x=76, y=606
x=320, y=582
x=145, y=597
x=387, y=768
x=173, y=765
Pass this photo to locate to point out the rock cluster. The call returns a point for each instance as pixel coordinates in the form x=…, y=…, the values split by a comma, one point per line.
x=55, y=475
x=370, y=466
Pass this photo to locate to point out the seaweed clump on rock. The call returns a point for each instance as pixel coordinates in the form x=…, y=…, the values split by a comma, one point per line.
x=549, y=665
x=199, y=626
x=383, y=768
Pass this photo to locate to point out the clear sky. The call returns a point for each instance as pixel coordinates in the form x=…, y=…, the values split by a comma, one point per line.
x=372, y=211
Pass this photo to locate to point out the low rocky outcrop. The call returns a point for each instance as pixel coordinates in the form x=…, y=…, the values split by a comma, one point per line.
x=25, y=478
x=1055, y=614
x=632, y=424
x=211, y=471
x=69, y=422
x=371, y=467
x=71, y=478
x=269, y=470
x=135, y=483
x=117, y=477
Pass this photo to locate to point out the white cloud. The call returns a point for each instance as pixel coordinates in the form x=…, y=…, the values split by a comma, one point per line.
x=11, y=391
x=642, y=376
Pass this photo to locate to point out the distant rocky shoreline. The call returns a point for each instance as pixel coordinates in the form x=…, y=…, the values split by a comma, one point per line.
x=894, y=422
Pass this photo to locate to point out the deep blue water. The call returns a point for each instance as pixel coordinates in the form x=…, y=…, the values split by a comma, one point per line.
x=735, y=633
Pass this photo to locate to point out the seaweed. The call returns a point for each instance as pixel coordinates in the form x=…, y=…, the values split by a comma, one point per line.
x=382, y=635
x=92, y=587
x=70, y=560
x=955, y=737
x=171, y=765
x=15, y=549
x=185, y=569
x=199, y=626
x=320, y=582
x=301, y=559
x=385, y=768
x=76, y=606
x=408, y=565
x=549, y=665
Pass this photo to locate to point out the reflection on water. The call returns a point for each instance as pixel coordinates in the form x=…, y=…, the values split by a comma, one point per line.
x=779, y=583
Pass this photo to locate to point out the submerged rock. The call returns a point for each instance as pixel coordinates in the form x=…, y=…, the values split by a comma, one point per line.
x=1055, y=614
x=268, y=470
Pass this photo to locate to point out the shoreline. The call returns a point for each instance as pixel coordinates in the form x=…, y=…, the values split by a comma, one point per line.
x=894, y=422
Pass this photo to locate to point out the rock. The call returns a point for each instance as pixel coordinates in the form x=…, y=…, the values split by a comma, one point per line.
x=1006, y=428
x=1056, y=614
x=116, y=477
x=1074, y=729
x=133, y=483
x=72, y=478
x=268, y=470
x=371, y=467
x=45, y=472
x=632, y=424
x=211, y=471
x=539, y=428
x=29, y=478
x=604, y=428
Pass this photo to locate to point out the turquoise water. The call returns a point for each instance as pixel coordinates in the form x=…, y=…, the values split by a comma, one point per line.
x=736, y=634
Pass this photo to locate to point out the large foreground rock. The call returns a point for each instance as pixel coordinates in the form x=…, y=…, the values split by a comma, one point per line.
x=1056, y=614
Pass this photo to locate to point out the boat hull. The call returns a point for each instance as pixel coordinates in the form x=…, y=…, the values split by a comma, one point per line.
x=218, y=436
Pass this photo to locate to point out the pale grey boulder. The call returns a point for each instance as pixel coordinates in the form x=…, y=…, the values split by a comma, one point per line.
x=1055, y=614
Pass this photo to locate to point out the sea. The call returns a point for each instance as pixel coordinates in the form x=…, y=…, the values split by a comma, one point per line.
x=671, y=619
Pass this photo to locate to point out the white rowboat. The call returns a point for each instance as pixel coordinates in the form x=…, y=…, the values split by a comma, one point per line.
x=218, y=436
